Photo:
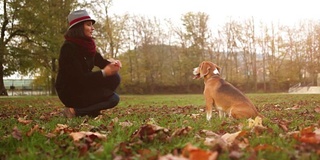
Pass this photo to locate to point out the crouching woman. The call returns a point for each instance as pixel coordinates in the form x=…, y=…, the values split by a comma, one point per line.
x=81, y=90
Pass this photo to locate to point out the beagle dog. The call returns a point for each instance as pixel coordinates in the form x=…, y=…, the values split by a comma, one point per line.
x=224, y=96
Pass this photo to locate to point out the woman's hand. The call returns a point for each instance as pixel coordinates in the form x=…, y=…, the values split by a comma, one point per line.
x=116, y=62
x=112, y=68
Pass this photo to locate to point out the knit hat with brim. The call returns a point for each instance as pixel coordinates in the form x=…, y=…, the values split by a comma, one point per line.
x=78, y=16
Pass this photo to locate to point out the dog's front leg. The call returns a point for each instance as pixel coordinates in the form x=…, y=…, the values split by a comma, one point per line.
x=209, y=113
x=209, y=105
x=221, y=114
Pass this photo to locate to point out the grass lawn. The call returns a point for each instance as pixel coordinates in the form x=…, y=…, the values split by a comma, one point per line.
x=161, y=127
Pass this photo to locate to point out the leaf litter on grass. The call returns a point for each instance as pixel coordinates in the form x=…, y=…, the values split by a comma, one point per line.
x=164, y=125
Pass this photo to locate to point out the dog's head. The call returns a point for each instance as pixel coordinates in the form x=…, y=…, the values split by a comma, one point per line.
x=206, y=68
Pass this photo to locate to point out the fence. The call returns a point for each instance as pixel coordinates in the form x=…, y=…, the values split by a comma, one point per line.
x=24, y=87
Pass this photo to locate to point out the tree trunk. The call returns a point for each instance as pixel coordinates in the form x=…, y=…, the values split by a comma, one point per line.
x=3, y=91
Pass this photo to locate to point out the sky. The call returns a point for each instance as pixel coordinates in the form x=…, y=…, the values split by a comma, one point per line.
x=279, y=11
x=287, y=12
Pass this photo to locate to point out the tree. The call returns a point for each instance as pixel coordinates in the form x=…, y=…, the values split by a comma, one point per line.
x=10, y=29
x=112, y=33
x=32, y=32
x=197, y=33
x=232, y=35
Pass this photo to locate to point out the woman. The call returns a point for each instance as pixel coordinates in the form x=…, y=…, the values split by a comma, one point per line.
x=81, y=90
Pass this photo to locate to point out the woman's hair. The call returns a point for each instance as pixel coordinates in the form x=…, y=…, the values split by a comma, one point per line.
x=76, y=31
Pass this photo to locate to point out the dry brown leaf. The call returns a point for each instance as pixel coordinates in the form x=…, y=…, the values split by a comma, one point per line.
x=126, y=124
x=225, y=140
x=24, y=121
x=203, y=155
x=79, y=135
x=256, y=122
x=215, y=141
x=229, y=138
x=210, y=133
x=295, y=107
x=244, y=144
x=33, y=129
x=308, y=135
x=50, y=135
x=283, y=127
x=256, y=125
x=124, y=148
x=172, y=157
x=193, y=153
x=83, y=148
x=317, y=109
x=195, y=116
x=16, y=133
x=115, y=120
x=149, y=131
x=181, y=131
x=99, y=117
x=235, y=155
x=62, y=128
x=146, y=153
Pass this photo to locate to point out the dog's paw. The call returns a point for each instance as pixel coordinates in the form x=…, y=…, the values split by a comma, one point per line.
x=209, y=115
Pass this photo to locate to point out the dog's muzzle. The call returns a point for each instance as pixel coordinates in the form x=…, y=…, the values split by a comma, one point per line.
x=196, y=72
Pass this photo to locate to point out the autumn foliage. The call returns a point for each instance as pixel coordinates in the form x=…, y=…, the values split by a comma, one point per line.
x=167, y=132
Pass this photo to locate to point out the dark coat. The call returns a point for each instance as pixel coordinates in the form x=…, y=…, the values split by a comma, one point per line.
x=77, y=85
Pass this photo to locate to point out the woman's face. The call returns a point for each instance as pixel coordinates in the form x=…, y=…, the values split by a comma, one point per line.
x=88, y=28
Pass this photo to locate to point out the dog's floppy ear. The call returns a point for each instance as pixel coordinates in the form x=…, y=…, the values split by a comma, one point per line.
x=204, y=69
x=217, y=70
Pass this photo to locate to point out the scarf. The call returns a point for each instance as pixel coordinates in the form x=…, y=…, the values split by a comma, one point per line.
x=87, y=44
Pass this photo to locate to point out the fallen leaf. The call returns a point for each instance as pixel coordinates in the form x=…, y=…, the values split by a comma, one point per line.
x=212, y=142
x=125, y=124
x=99, y=117
x=79, y=135
x=317, y=109
x=256, y=122
x=83, y=148
x=149, y=131
x=124, y=148
x=230, y=137
x=308, y=135
x=256, y=125
x=181, y=131
x=172, y=157
x=195, y=116
x=193, y=153
x=33, y=129
x=295, y=107
x=16, y=133
x=210, y=133
x=145, y=153
x=24, y=121
x=235, y=155
x=62, y=128
x=50, y=135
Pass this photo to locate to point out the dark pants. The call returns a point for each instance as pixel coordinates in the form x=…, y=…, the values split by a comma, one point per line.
x=97, y=99
x=94, y=110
